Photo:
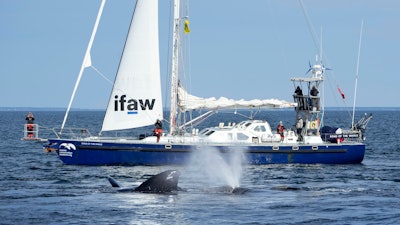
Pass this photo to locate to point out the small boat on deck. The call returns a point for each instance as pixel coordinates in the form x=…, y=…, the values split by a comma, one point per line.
x=136, y=104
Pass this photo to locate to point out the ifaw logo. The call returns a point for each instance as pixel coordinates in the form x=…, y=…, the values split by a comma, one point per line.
x=132, y=105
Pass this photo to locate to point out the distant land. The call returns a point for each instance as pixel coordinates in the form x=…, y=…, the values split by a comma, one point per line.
x=33, y=109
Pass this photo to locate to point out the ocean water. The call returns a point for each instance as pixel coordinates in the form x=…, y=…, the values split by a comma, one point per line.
x=36, y=188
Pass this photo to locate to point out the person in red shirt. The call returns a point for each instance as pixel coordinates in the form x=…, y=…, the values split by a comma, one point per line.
x=158, y=130
x=280, y=129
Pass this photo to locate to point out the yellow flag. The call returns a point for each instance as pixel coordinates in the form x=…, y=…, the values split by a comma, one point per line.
x=186, y=28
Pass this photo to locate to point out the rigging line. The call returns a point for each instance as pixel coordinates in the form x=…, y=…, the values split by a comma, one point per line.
x=186, y=62
x=317, y=42
x=315, y=39
x=310, y=26
x=333, y=92
x=346, y=107
x=240, y=114
x=335, y=96
x=102, y=75
x=333, y=81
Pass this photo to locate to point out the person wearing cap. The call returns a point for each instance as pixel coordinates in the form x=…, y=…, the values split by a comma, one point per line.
x=280, y=129
x=299, y=126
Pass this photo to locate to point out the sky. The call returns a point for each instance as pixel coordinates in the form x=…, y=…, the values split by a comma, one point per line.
x=238, y=49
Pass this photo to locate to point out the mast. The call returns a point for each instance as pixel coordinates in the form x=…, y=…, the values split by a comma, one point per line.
x=309, y=102
x=86, y=63
x=175, y=67
x=355, y=86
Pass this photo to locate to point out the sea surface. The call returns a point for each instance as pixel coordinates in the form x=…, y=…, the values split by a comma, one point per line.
x=36, y=188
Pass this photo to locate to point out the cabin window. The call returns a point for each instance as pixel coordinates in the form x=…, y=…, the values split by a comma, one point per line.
x=204, y=131
x=259, y=129
x=208, y=133
x=242, y=137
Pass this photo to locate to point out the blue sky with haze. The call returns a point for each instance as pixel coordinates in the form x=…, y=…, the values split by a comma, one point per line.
x=239, y=49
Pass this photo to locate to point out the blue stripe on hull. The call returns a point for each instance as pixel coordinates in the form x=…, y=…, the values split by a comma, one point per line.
x=97, y=153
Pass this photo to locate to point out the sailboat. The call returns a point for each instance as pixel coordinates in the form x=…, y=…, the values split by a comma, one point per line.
x=136, y=101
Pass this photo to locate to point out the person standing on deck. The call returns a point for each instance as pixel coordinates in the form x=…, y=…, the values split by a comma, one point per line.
x=29, y=124
x=280, y=130
x=158, y=130
x=299, y=97
x=299, y=126
x=314, y=100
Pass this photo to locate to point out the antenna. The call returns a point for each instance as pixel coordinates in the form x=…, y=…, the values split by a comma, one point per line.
x=358, y=63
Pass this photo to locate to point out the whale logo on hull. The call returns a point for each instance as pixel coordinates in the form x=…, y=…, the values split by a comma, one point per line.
x=68, y=146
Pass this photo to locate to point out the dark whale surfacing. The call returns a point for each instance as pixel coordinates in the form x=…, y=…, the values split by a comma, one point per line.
x=165, y=182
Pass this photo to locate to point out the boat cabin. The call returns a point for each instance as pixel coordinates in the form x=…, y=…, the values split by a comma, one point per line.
x=248, y=131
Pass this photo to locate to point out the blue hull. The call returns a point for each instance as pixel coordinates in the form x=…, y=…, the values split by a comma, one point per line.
x=74, y=152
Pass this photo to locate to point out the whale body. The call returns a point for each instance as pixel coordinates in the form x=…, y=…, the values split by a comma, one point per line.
x=164, y=182
x=167, y=182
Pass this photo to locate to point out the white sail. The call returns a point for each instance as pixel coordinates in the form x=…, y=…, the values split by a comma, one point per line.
x=190, y=102
x=135, y=100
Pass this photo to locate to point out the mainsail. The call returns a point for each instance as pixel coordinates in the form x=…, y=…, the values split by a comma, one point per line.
x=189, y=102
x=135, y=100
